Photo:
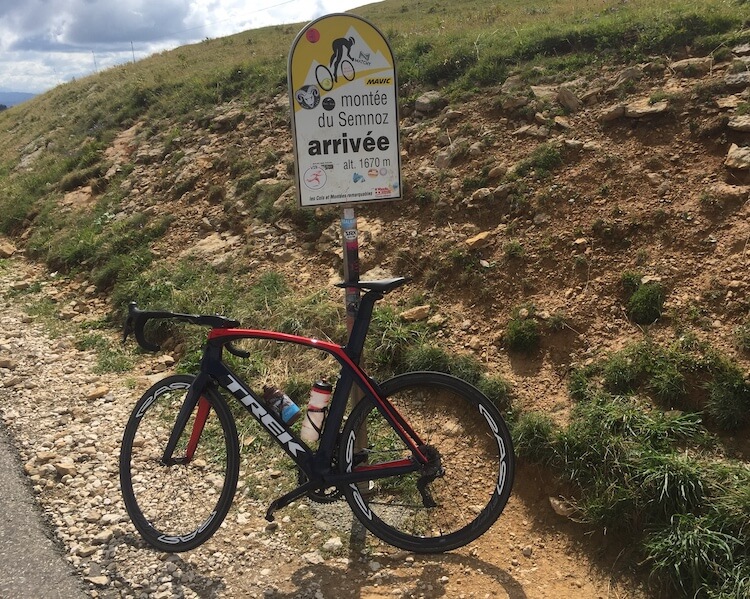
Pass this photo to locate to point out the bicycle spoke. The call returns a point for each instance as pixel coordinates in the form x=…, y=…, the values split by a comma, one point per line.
x=177, y=506
x=464, y=486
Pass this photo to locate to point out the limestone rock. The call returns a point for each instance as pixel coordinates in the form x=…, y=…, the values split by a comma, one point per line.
x=562, y=507
x=546, y=93
x=479, y=240
x=429, y=103
x=740, y=79
x=415, y=314
x=641, y=108
x=7, y=249
x=730, y=193
x=740, y=123
x=693, y=67
x=79, y=198
x=568, y=100
x=738, y=158
x=612, y=113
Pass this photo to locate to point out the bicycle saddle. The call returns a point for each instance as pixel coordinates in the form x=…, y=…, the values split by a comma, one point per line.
x=384, y=285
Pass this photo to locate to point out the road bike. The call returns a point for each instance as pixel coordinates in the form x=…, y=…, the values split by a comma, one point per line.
x=424, y=459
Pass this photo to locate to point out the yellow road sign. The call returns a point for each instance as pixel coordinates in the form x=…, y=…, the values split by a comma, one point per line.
x=344, y=108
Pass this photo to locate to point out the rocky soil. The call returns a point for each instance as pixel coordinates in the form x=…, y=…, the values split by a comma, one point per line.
x=653, y=177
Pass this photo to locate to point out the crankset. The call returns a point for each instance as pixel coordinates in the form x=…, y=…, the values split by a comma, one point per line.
x=327, y=495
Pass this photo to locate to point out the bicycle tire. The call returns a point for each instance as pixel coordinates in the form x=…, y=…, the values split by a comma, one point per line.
x=326, y=83
x=476, y=454
x=177, y=508
x=348, y=73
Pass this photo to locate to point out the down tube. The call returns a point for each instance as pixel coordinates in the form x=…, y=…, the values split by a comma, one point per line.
x=289, y=442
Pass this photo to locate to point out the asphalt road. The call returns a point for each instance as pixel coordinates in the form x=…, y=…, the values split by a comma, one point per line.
x=31, y=563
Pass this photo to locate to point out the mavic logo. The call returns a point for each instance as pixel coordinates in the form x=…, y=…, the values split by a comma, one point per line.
x=379, y=81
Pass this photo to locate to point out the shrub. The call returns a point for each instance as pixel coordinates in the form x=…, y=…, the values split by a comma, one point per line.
x=729, y=398
x=522, y=335
x=646, y=304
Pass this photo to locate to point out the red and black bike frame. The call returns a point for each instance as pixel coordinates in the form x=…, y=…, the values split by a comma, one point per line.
x=316, y=465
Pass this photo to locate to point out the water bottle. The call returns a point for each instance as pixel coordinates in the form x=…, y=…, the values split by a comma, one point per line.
x=320, y=395
x=281, y=404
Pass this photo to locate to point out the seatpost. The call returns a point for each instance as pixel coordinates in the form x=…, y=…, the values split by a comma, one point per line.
x=356, y=343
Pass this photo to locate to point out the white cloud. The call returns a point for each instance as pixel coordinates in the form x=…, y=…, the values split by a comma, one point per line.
x=45, y=43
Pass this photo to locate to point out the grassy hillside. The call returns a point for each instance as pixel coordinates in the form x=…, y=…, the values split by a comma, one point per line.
x=589, y=274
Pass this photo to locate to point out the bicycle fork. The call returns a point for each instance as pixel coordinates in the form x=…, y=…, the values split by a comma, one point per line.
x=194, y=397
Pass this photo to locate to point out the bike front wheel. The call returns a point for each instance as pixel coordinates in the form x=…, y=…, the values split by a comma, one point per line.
x=179, y=506
x=467, y=483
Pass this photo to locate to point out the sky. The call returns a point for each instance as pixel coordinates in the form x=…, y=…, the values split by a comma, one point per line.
x=44, y=43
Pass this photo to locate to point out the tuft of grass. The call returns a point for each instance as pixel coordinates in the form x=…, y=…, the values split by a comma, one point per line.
x=646, y=304
x=742, y=336
x=523, y=335
x=390, y=338
x=513, y=250
x=110, y=357
x=623, y=371
x=544, y=159
x=533, y=437
x=728, y=402
x=694, y=556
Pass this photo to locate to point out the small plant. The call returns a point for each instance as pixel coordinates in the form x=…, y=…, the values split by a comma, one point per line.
x=543, y=160
x=513, y=250
x=742, y=336
x=645, y=300
x=646, y=304
x=522, y=335
x=622, y=372
x=657, y=96
x=533, y=435
x=557, y=322
x=473, y=183
x=216, y=194
x=580, y=262
x=425, y=197
x=710, y=203
x=729, y=398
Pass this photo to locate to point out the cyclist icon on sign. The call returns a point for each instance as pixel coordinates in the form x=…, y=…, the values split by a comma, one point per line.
x=338, y=46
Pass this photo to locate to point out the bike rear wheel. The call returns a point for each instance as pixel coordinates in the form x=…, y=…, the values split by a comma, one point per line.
x=178, y=507
x=475, y=459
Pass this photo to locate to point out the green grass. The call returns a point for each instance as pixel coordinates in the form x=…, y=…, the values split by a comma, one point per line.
x=659, y=476
x=110, y=356
x=543, y=159
x=522, y=333
x=645, y=301
x=742, y=336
